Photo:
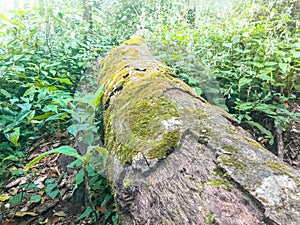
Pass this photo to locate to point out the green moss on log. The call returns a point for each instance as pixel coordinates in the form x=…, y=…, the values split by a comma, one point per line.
x=138, y=118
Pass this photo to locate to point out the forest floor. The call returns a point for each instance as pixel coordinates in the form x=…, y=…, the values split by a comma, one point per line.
x=48, y=211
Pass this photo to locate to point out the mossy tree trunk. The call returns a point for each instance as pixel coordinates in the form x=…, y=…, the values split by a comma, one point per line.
x=176, y=159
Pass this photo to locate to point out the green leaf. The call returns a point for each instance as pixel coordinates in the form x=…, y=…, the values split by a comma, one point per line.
x=79, y=178
x=257, y=64
x=192, y=81
x=63, y=80
x=115, y=219
x=6, y=93
x=50, y=108
x=52, y=190
x=30, y=116
x=266, y=108
x=75, y=163
x=14, y=137
x=98, y=95
x=30, y=186
x=53, y=193
x=10, y=158
x=58, y=116
x=283, y=67
x=17, y=198
x=264, y=77
x=50, y=187
x=244, y=81
x=86, y=213
x=66, y=150
x=102, y=152
x=296, y=54
x=43, y=116
x=35, y=198
x=264, y=130
x=271, y=63
x=198, y=90
x=245, y=106
x=75, y=128
x=227, y=44
x=93, y=100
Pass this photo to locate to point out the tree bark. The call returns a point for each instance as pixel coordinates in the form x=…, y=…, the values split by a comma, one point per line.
x=176, y=159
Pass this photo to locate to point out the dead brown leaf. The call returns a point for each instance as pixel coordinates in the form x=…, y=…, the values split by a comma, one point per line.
x=21, y=214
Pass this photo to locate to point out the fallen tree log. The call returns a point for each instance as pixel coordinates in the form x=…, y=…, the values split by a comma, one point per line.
x=176, y=159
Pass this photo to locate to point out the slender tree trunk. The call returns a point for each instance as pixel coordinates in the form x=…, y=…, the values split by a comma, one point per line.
x=87, y=12
x=176, y=159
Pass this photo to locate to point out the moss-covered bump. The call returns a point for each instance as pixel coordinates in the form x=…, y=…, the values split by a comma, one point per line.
x=169, y=142
x=145, y=118
x=136, y=40
x=150, y=127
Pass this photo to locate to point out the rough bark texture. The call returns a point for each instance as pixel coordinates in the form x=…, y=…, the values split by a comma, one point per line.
x=176, y=159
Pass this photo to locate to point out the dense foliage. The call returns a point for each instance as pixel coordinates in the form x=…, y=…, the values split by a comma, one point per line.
x=241, y=55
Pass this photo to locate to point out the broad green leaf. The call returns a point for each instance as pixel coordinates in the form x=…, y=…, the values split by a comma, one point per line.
x=50, y=108
x=35, y=198
x=53, y=72
x=53, y=193
x=86, y=213
x=14, y=137
x=244, y=81
x=30, y=116
x=257, y=64
x=25, y=106
x=75, y=163
x=44, y=72
x=184, y=75
x=66, y=150
x=106, y=199
x=30, y=91
x=19, y=69
x=3, y=17
x=75, y=128
x=192, y=81
x=271, y=63
x=17, y=198
x=296, y=54
x=283, y=67
x=265, y=77
x=50, y=187
x=50, y=181
x=30, y=186
x=198, y=90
